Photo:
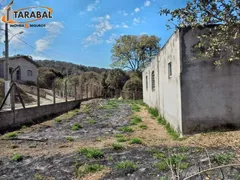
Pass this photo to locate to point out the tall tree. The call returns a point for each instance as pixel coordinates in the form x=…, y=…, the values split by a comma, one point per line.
x=133, y=52
x=223, y=39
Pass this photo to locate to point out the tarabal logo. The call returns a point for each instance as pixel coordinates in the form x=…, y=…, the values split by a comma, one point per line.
x=29, y=14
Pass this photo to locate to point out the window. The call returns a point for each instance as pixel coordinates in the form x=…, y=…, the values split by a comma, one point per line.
x=169, y=70
x=10, y=70
x=153, y=81
x=146, y=82
x=29, y=73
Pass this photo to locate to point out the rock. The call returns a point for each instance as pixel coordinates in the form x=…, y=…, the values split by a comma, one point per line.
x=142, y=169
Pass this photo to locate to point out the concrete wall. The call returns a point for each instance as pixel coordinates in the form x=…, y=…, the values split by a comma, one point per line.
x=167, y=96
x=34, y=114
x=210, y=95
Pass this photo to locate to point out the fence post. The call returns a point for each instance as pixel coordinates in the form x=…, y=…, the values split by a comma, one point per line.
x=54, y=92
x=38, y=93
x=75, y=91
x=66, y=91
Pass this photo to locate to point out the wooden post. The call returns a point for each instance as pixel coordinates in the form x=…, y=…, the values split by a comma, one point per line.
x=66, y=91
x=75, y=91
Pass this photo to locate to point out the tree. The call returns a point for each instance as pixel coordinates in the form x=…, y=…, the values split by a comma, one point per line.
x=133, y=52
x=223, y=39
x=115, y=80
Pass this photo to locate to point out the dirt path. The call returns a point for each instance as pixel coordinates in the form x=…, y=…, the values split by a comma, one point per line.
x=114, y=148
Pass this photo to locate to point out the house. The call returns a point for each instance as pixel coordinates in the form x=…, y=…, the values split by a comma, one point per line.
x=192, y=95
x=28, y=68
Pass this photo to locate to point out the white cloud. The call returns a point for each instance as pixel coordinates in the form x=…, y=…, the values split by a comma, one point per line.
x=53, y=30
x=124, y=13
x=93, y=6
x=136, y=21
x=147, y=3
x=125, y=25
x=37, y=3
x=137, y=10
x=101, y=27
x=112, y=39
x=82, y=13
x=38, y=57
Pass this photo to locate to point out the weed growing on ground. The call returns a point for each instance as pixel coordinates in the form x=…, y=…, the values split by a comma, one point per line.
x=224, y=158
x=98, y=139
x=17, y=157
x=86, y=169
x=70, y=139
x=169, y=129
x=128, y=166
x=119, y=135
x=110, y=158
x=66, y=116
x=117, y=146
x=143, y=126
x=58, y=120
x=110, y=105
x=91, y=152
x=126, y=129
x=92, y=121
x=135, y=141
x=135, y=120
x=11, y=135
x=122, y=139
x=153, y=112
x=135, y=107
x=76, y=127
x=23, y=127
x=159, y=155
x=162, y=166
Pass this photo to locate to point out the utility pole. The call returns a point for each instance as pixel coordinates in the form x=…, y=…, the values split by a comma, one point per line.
x=7, y=82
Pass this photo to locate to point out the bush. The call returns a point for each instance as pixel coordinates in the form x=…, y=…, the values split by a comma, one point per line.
x=86, y=169
x=17, y=157
x=128, y=166
x=117, y=146
x=132, y=89
x=76, y=127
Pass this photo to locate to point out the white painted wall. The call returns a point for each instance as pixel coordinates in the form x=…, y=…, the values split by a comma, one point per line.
x=167, y=96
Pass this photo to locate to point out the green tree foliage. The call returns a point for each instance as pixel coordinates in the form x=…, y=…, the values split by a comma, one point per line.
x=133, y=88
x=47, y=76
x=115, y=80
x=68, y=68
x=222, y=40
x=133, y=52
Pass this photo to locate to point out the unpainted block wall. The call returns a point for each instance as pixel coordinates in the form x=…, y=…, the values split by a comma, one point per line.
x=29, y=115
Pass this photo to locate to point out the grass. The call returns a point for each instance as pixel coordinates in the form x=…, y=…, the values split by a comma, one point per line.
x=135, y=120
x=122, y=139
x=128, y=166
x=153, y=112
x=135, y=141
x=135, y=107
x=91, y=152
x=86, y=109
x=143, y=126
x=117, y=146
x=169, y=129
x=111, y=104
x=161, y=165
x=126, y=129
x=159, y=155
x=119, y=135
x=224, y=158
x=92, y=121
x=76, y=127
x=70, y=139
x=66, y=116
x=11, y=135
x=87, y=169
x=17, y=157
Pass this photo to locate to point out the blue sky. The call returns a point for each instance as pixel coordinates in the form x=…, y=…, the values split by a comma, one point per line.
x=83, y=31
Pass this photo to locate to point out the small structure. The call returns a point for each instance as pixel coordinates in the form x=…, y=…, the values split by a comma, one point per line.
x=192, y=95
x=28, y=68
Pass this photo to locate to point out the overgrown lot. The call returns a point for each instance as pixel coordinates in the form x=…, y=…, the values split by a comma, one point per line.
x=110, y=139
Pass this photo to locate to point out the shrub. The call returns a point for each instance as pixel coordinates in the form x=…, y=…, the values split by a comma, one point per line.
x=92, y=121
x=162, y=166
x=69, y=139
x=17, y=157
x=91, y=152
x=135, y=141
